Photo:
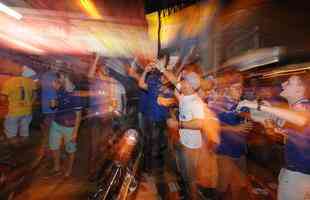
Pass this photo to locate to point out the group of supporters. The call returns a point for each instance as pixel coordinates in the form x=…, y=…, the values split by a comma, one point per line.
x=210, y=130
x=61, y=110
x=204, y=125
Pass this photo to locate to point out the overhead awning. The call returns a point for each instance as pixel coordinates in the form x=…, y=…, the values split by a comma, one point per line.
x=254, y=58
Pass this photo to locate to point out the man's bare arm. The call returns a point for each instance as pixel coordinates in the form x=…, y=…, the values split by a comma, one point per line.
x=92, y=70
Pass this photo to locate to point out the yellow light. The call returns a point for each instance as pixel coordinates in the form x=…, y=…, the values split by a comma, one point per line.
x=91, y=9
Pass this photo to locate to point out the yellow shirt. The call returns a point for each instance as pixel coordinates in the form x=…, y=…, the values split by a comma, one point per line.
x=20, y=93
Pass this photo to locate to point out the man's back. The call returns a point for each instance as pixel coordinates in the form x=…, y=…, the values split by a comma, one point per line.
x=19, y=91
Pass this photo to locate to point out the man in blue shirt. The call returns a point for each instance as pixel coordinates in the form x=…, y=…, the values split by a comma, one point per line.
x=231, y=152
x=155, y=117
x=65, y=125
x=294, y=178
x=48, y=93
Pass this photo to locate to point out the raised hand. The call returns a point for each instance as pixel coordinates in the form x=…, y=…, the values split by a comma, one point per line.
x=248, y=104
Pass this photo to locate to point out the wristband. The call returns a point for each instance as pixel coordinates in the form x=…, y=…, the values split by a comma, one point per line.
x=178, y=86
x=180, y=124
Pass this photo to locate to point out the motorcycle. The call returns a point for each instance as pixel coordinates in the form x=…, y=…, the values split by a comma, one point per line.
x=117, y=178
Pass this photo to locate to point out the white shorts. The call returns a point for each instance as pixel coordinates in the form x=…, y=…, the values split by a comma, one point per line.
x=293, y=185
x=13, y=125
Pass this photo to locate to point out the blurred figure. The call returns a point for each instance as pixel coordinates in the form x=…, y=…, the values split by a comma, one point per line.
x=98, y=123
x=48, y=93
x=215, y=97
x=154, y=120
x=134, y=72
x=20, y=93
x=64, y=126
x=66, y=82
x=167, y=99
x=232, y=150
x=270, y=94
x=198, y=129
x=261, y=146
x=294, y=178
x=119, y=101
x=106, y=113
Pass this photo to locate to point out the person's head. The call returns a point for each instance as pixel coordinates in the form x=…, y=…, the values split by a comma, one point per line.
x=61, y=75
x=57, y=84
x=235, y=91
x=65, y=81
x=190, y=83
x=295, y=88
x=28, y=72
x=193, y=67
x=164, y=80
x=265, y=92
x=234, y=85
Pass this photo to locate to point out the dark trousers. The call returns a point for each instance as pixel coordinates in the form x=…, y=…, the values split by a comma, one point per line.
x=155, y=142
x=100, y=131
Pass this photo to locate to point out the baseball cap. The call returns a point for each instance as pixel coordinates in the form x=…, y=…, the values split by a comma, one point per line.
x=193, y=79
x=28, y=72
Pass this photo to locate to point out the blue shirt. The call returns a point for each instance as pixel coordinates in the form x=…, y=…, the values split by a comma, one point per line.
x=154, y=111
x=297, y=147
x=232, y=144
x=142, y=105
x=66, y=109
x=48, y=93
x=95, y=101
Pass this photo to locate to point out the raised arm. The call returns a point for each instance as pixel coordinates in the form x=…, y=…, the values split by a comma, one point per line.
x=92, y=70
x=298, y=118
x=142, y=81
x=134, y=74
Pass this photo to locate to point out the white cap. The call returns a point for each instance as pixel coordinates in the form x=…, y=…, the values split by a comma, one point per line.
x=28, y=72
x=193, y=79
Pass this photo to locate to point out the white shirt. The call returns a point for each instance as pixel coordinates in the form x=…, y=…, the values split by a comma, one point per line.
x=191, y=107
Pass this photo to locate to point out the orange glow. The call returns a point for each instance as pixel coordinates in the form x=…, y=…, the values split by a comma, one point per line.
x=91, y=9
x=21, y=44
x=54, y=35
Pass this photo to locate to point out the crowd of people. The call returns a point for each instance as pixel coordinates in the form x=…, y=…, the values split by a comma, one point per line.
x=204, y=123
x=210, y=131
x=62, y=109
